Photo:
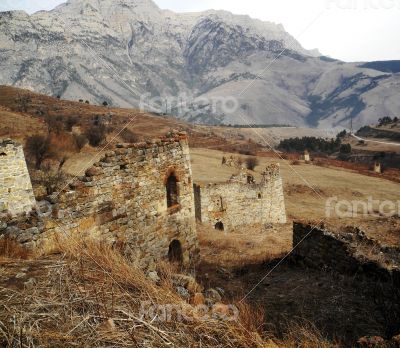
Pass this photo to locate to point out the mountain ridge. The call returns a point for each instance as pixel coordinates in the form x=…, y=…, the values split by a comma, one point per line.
x=199, y=57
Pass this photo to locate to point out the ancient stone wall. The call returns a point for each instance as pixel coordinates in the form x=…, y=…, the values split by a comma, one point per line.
x=242, y=201
x=122, y=200
x=16, y=193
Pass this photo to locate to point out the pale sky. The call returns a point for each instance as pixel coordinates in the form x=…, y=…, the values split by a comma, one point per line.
x=351, y=30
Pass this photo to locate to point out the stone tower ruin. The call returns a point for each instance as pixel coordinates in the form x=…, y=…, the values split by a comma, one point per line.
x=242, y=201
x=16, y=193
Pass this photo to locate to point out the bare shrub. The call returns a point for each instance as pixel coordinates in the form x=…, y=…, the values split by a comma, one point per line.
x=80, y=140
x=55, y=124
x=51, y=179
x=295, y=163
x=96, y=135
x=128, y=136
x=252, y=163
x=22, y=101
x=70, y=122
x=39, y=148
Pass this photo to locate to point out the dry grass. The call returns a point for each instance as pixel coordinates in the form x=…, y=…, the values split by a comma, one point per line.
x=91, y=296
x=12, y=250
x=248, y=246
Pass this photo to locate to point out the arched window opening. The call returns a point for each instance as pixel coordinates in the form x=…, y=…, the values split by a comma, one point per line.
x=219, y=226
x=259, y=196
x=172, y=191
x=175, y=254
x=3, y=154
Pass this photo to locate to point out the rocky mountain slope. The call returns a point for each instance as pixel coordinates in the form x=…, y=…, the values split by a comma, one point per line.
x=192, y=65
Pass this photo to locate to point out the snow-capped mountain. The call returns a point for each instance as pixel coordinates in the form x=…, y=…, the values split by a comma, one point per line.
x=131, y=53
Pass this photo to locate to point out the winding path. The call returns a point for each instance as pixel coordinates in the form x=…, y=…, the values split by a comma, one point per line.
x=374, y=141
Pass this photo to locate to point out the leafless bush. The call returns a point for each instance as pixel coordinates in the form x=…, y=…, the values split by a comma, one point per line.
x=70, y=122
x=295, y=163
x=51, y=177
x=96, y=135
x=39, y=148
x=81, y=140
x=22, y=101
x=252, y=163
x=55, y=124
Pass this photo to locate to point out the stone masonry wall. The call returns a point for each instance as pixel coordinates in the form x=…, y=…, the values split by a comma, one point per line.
x=16, y=193
x=239, y=202
x=122, y=200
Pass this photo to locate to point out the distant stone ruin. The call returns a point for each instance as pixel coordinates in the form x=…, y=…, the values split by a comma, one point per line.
x=377, y=168
x=232, y=161
x=138, y=197
x=16, y=193
x=242, y=201
x=305, y=156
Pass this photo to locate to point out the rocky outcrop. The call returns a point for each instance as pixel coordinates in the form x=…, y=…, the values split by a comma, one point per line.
x=126, y=52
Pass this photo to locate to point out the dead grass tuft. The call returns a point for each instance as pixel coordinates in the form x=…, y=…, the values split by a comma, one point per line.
x=10, y=249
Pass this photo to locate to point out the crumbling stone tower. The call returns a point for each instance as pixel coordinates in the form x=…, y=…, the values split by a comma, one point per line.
x=16, y=193
x=242, y=201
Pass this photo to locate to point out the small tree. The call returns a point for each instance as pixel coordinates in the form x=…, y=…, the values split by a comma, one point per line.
x=51, y=178
x=345, y=149
x=105, y=103
x=55, y=124
x=96, y=135
x=39, y=148
x=252, y=163
x=81, y=140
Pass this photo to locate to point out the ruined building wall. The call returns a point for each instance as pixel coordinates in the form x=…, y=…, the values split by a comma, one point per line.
x=122, y=200
x=239, y=203
x=16, y=193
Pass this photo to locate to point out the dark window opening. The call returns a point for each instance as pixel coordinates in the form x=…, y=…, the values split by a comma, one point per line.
x=219, y=226
x=259, y=196
x=3, y=154
x=250, y=179
x=172, y=191
x=175, y=254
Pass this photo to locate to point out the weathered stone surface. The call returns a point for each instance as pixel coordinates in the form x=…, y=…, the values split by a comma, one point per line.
x=125, y=205
x=16, y=193
x=241, y=201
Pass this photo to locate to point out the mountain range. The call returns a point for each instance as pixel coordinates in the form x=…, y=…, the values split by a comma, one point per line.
x=208, y=67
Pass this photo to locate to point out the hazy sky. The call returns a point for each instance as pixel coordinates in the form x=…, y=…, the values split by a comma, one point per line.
x=351, y=30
